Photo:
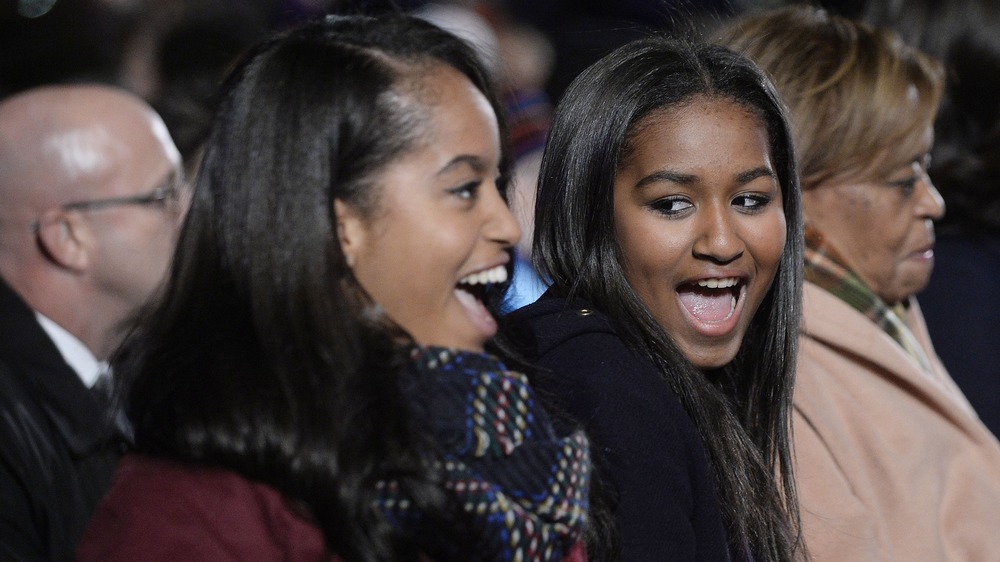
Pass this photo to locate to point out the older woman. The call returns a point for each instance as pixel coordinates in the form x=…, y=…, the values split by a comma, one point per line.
x=965, y=34
x=891, y=461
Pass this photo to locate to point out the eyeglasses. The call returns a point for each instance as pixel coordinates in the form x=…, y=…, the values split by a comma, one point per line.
x=164, y=194
x=167, y=194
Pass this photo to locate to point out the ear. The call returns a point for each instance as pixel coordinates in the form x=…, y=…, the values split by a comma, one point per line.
x=351, y=229
x=66, y=239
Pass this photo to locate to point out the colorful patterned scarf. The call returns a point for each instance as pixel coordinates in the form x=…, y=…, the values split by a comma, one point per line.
x=825, y=268
x=525, y=487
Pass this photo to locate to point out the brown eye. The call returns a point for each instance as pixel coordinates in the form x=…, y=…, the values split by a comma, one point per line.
x=906, y=186
x=751, y=202
x=671, y=206
x=467, y=191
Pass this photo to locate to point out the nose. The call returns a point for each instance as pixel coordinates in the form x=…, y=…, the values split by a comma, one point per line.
x=716, y=239
x=501, y=226
x=931, y=204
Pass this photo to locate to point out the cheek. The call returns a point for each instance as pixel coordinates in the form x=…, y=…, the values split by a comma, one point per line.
x=768, y=240
x=879, y=244
x=651, y=250
x=410, y=272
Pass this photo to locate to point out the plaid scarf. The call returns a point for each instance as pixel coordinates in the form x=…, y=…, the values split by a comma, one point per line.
x=825, y=267
x=525, y=489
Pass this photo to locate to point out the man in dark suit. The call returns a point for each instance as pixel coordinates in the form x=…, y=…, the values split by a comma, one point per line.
x=92, y=199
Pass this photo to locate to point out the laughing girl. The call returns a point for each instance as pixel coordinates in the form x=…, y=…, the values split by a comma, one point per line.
x=668, y=222
x=317, y=382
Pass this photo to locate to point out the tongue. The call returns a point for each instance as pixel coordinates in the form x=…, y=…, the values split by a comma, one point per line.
x=477, y=312
x=707, y=305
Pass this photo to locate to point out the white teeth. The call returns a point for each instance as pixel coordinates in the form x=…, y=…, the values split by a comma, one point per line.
x=497, y=274
x=723, y=283
x=732, y=307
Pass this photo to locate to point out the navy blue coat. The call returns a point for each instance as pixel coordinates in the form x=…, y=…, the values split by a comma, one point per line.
x=647, y=444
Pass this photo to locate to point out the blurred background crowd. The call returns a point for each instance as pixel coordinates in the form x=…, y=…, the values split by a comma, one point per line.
x=173, y=52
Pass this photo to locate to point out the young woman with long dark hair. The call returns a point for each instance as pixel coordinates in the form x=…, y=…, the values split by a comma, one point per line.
x=320, y=378
x=668, y=222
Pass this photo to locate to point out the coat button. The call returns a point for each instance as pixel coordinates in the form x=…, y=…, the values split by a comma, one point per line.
x=585, y=312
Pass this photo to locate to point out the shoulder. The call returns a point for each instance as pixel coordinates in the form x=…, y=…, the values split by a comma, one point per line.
x=551, y=321
x=163, y=510
x=576, y=344
x=650, y=448
x=32, y=443
x=14, y=393
x=592, y=375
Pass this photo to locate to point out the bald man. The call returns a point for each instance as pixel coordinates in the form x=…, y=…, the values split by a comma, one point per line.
x=91, y=199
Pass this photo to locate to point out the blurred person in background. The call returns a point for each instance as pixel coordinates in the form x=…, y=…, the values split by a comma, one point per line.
x=891, y=461
x=58, y=41
x=93, y=196
x=962, y=301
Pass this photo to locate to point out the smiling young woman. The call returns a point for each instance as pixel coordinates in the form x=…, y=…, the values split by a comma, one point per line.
x=667, y=220
x=322, y=378
x=441, y=202
x=699, y=220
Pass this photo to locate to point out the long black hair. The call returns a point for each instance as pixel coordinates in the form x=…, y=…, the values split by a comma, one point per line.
x=743, y=410
x=264, y=355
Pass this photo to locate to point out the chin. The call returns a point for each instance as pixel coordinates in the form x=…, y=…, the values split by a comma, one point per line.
x=710, y=362
x=712, y=358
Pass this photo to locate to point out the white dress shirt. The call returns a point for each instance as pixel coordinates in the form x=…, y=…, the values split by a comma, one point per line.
x=76, y=355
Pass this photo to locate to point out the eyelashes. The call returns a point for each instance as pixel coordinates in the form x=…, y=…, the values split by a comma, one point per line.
x=906, y=186
x=919, y=169
x=468, y=191
x=671, y=206
x=677, y=206
x=752, y=202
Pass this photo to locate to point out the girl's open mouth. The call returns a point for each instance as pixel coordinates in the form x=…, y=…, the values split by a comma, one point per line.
x=711, y=301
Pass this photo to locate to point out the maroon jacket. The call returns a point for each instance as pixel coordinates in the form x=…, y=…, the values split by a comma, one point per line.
x=162, y=510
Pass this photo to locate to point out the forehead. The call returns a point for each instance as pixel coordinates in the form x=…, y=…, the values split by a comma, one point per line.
x=445, y=97
x=910, y=149
x=447, y=117
x=454, y=128
x=707, y=127
x=698, y=107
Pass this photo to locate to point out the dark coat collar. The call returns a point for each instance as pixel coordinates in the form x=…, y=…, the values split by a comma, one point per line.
x=553, y=320
x=39, y=367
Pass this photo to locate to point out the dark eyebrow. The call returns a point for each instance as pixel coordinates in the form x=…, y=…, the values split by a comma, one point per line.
x=688, y=179
x=475, y=162
x=750, y=175
x=665, y=176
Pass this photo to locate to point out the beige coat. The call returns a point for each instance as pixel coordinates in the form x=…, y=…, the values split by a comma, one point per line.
x=891, y=463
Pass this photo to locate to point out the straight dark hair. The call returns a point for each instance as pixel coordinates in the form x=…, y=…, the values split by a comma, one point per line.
x=264, y=355
x=742, y=410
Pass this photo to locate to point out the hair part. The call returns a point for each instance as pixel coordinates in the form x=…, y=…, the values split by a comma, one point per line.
x=742, y=411
x=822, y=64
